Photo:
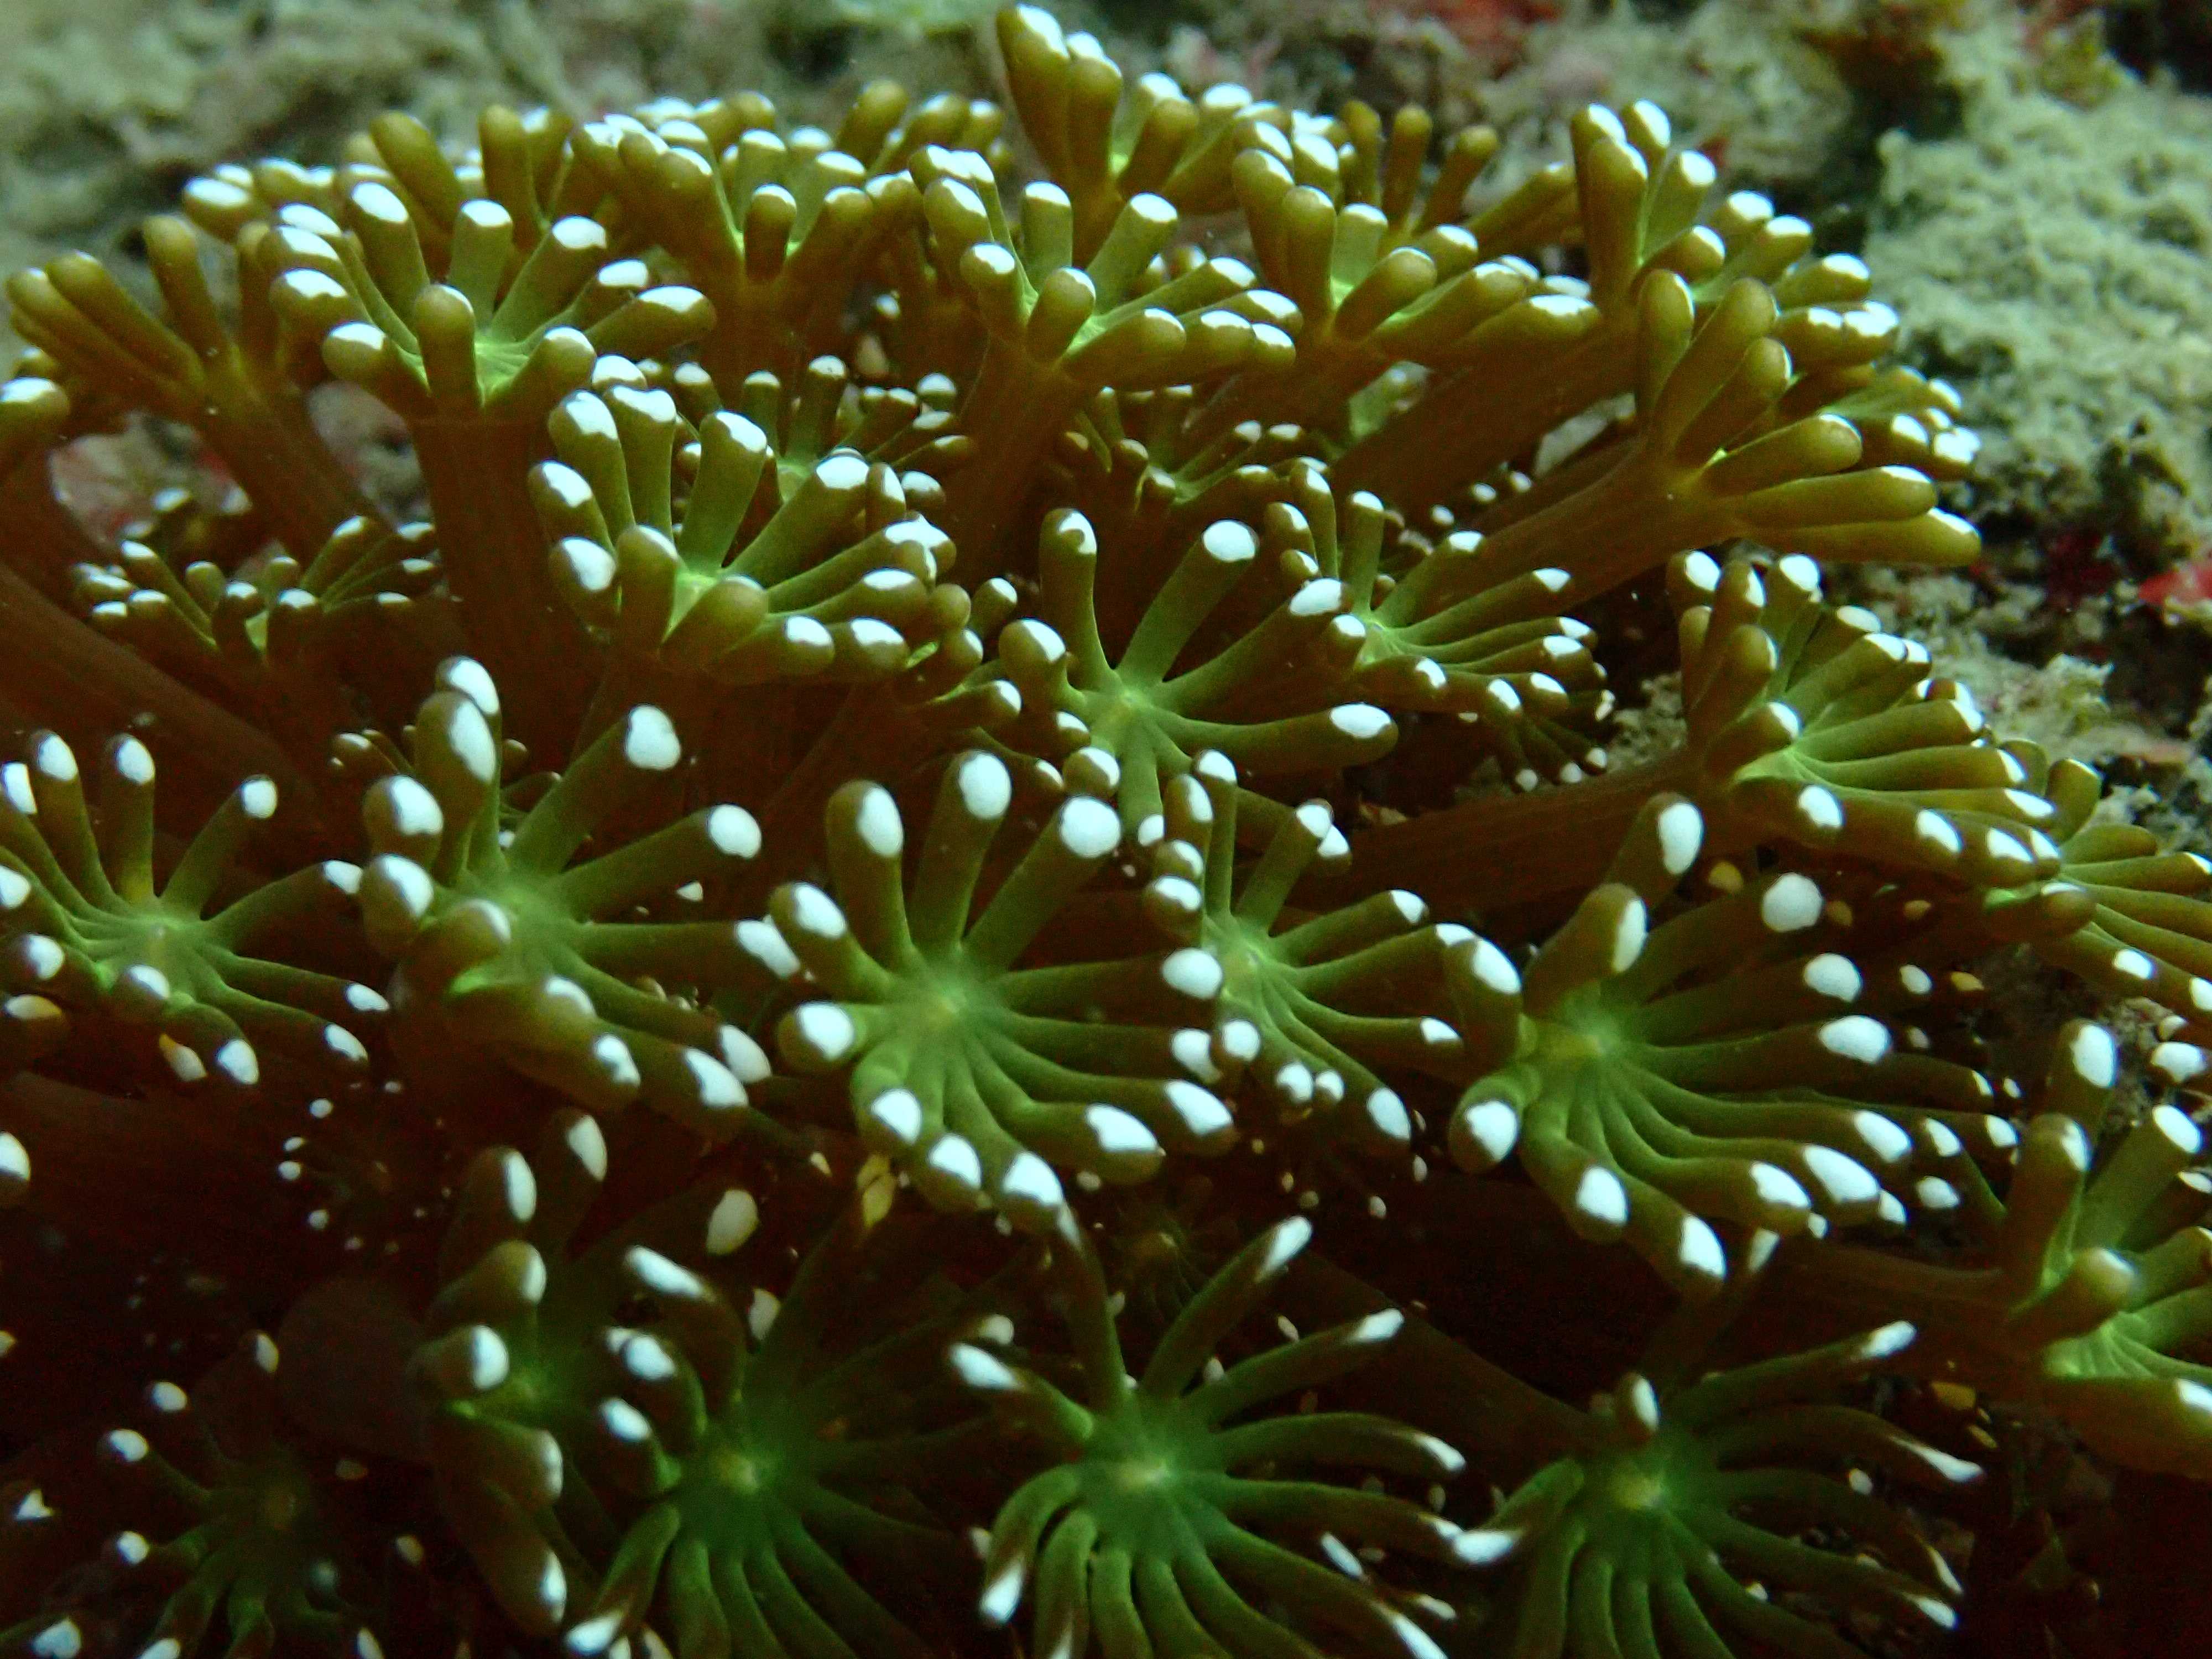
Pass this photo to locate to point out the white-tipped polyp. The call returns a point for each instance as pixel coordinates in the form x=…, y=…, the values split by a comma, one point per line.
x=1699, y=1250
x=716, y=1089
x=1483, y=1546
x=1229, y=541
x=1600, y=1197
x=2185, y=1136
x=616, y=1062
x=1489, y=965
x=1957, y=1470
x=813, y=911
x=1629, y=933
x=649, y=741
x=1844, y=1180
x=625, y=1422
x=1681, y=833
x=1888, y=1341
x=878, y=823
x=1484, y=1133
x=1360, y=722
x=1193, y=1049
x=1200, y=1111
x=1856, y=1037
x=979, y=1370
x=1940, y=1614
x=1833, y=977
x=662, y=1277
x=1283, y=1242
x=897, y=1113
x=1387, y=1113
x=1119, y=1134
x=826, y=1029
x=1820, y=809
x=953, y=1159
x=1088, y=828
x=1377, y=1327
x=1417, y=1642
x=744, y=1058
x=2178, y=1062
x=1030, y=1187
x=2095, y=1056
x=732, y=1221
x=1446, y=1456
x=593, y=1636
x=1886, y=1140
x=236, y=1061
x=485, y=1359
x=986, y=787
x=1193, y=972
x=1003, y=1593
x=1790, y=905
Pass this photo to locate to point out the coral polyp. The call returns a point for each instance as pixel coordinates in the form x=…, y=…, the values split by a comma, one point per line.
x=997, y=745
x=1152, y=1528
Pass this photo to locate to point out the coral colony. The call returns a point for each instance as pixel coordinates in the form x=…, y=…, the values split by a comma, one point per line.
x=855, y=998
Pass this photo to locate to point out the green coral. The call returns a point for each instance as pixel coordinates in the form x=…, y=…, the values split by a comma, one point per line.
x=2086, y=1290
x=1314, y=1006
x=501, y=946
x=1176, y=687
x=1683, y=1506
x=959, y=688
x=1715, y=1066
x=92, y=930
x=977, y=1071
x=263, y=1554
x=1159, y=1529
x=628, y=1442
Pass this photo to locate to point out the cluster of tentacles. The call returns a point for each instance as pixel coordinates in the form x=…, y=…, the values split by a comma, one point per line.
x=947, y=933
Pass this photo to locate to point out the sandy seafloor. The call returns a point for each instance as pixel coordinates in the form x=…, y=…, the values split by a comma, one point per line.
x=2039, y=212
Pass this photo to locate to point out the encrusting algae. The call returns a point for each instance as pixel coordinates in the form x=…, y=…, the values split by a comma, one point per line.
x=961, y=672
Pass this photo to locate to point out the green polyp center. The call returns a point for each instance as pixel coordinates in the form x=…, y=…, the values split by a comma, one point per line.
x=528, y=903
x=1380, y=642
x=1589, y=1023
x=939, y=1006
x=535, y=919
x=269, y=1509
x=1118, y=711
x=1633, y=1484
x=739, y=1477
x=943, y=999
x=1624, y=1504
x=499, y=358
x=1245, y=954
x=152, y=931
x=158, y=944
x=1140, y=1474
x=279, y=1506
x=1571, y=1047
x=1631, y=1487
x=739, y=1467
x=1137, y=1472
